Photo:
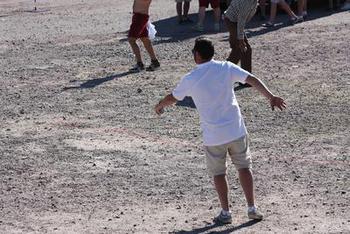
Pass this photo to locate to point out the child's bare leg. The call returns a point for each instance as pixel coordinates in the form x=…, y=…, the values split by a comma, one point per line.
x=148, y=45
x=135, y=48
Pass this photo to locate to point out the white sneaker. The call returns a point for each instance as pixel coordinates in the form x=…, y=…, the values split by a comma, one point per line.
x=253, y=213
x=223, y=219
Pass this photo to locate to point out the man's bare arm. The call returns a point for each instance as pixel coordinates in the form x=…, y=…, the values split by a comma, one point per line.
x=167, y=101
x=261, y=87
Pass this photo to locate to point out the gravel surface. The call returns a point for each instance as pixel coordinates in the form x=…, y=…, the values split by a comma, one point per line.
x=82, y=151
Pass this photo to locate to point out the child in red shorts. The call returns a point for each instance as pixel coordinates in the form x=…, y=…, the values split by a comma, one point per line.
x=138, y=30
x=203, y=4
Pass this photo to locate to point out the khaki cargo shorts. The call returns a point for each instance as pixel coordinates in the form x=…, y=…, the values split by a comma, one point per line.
x=238, y=151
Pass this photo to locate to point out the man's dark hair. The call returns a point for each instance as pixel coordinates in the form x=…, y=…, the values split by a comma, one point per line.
x=204, y=47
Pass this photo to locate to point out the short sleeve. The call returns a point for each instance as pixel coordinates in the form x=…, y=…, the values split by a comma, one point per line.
x=238, y=74
x=183, y=88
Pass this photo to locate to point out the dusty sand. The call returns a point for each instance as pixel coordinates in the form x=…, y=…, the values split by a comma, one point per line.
x=83, y=152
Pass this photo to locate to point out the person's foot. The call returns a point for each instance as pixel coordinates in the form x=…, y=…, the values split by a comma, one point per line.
x=296, y=20
x=223, y=218
x=187, y=20
x=268, y=24
x=139, y=66
x=198, y=28
x=304, y=15
x=155, y=65
x=180, y=21
x=253, y=213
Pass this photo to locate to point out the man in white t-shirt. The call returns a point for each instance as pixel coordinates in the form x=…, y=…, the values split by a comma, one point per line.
x=210, y=85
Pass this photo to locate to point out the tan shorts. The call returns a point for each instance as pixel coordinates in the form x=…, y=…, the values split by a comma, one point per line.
x=182, y=0
x=238, y=151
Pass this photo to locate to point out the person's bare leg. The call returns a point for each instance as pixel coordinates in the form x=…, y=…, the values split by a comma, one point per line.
x=217, y=15
x=179, y=11
x=273, y=11
x=148, y=46
x=186, y=9
x=246, y=59
x=235, y=54
x=301, y=4
x=262, y=5
x=201, y=16
x=246, y=180
x=221, y=187
x=135, y=48
x=287, y=9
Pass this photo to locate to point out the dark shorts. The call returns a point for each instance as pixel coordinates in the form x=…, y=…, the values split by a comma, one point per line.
x=138, y=27
x=213, y=3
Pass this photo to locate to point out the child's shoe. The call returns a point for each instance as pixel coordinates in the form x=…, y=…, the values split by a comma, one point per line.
x=268, y=24
x=137, y=68
x=155, y=65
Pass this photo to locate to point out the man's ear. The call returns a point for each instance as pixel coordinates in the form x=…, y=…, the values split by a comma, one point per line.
x=197, y=57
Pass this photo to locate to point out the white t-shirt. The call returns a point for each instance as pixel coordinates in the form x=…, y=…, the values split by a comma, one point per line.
x=210, y=85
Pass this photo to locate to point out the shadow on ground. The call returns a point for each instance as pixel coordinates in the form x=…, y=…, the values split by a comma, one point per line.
x=213, y=226
x=168, y=29
x=89, y=84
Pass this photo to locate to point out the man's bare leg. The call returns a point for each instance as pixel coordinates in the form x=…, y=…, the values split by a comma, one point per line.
x=154, y=61
x=221, y=187
x=148, y=45
x=235, y=54
x=246, y=180
x=136, y=49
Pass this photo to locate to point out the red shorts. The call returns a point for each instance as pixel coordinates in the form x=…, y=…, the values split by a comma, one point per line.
x=138, y=27
x=213, y=3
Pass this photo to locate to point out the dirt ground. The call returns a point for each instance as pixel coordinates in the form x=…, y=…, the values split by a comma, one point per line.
x=81, y=150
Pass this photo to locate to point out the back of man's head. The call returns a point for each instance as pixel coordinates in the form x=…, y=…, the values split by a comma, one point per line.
x=204, y=47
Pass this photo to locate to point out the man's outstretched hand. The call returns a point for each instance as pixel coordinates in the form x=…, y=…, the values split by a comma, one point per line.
x=277, y=102
x=159, y=109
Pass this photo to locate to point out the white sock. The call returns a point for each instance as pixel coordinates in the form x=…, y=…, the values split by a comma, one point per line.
x=251, y=208
x=226, y=212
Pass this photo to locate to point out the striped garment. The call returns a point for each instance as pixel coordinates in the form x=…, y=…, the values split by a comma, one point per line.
x=241, y=11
